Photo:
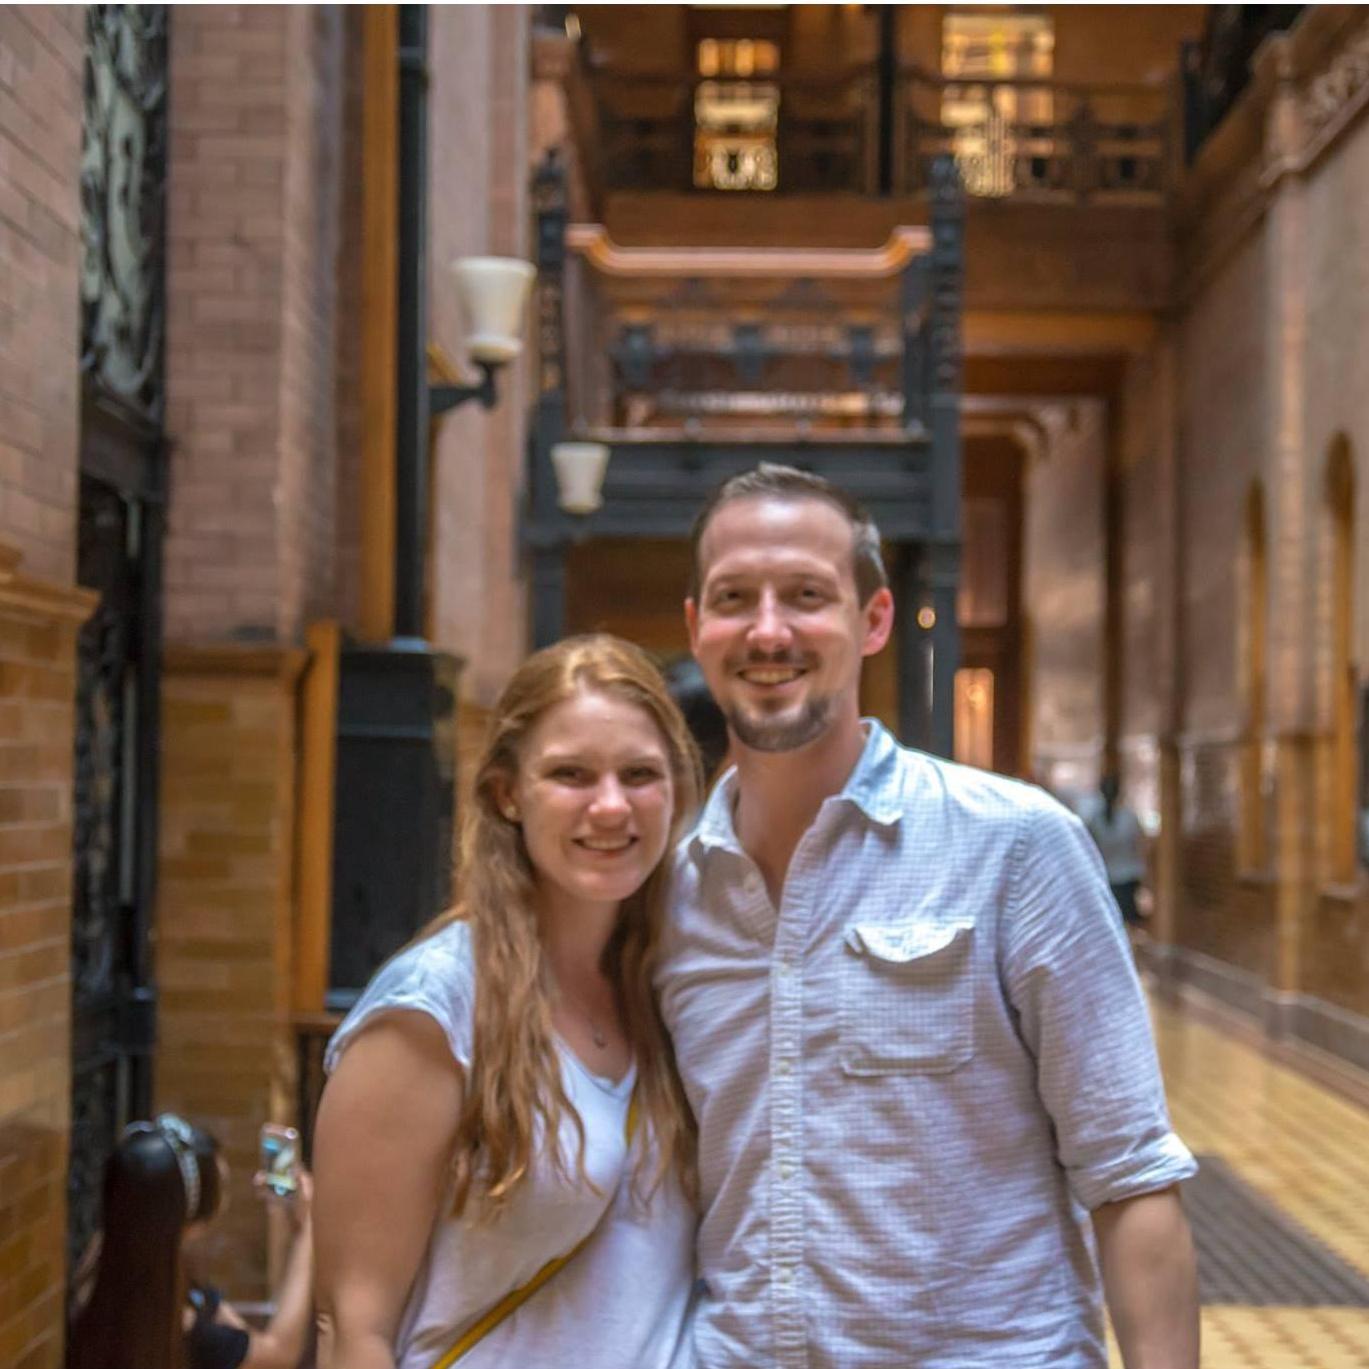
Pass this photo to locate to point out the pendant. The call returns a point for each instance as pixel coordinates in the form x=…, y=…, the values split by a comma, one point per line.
x=600, y=1039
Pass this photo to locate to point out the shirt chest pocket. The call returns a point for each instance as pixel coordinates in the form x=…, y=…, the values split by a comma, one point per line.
x=907, y=997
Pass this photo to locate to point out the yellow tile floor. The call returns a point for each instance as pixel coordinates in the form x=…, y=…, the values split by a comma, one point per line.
x=1301, y=1146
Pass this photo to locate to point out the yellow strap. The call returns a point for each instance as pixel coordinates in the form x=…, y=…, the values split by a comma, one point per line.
x=509, y=1305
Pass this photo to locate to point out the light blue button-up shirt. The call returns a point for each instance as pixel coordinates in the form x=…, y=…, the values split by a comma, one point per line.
x=913, y=1078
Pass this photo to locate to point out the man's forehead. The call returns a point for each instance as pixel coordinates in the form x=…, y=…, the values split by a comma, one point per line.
x=802, y=529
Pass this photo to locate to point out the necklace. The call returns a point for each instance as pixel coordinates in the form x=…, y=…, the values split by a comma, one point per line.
x=596, y=1033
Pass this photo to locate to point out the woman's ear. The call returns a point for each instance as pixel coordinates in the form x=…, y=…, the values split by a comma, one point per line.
x=501, y=791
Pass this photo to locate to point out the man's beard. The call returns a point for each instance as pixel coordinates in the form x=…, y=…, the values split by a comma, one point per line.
x=783, y=734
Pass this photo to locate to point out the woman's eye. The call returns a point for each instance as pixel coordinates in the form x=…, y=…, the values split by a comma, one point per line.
x=569, y=774
x=642, y=774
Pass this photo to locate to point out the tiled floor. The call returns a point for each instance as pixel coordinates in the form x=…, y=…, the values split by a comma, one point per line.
x=1299, y=1145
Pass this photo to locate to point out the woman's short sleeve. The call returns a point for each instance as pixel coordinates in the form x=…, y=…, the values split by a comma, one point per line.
x=435, y=976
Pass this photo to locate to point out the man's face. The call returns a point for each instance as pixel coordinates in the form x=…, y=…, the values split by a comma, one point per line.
x=778, y=629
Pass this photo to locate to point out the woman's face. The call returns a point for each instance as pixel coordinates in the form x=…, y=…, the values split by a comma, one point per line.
x=594, y=796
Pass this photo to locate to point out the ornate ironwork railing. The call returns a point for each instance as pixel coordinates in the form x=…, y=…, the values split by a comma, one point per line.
x=1023, y=139
x=1011, y=139
x=652, y=129
x=706, y=340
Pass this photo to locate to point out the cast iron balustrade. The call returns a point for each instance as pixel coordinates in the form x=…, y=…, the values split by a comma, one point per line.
x=1038, y=140
x=769, y=342
x=1014, y=139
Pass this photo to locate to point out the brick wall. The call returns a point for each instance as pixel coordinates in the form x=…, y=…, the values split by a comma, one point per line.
x=226, y=1052
x=37, y=690
x=254, y=181
x=347, y=398
x=478, y=56
x=41, y=52
x=252, y=230
x=1062, y=593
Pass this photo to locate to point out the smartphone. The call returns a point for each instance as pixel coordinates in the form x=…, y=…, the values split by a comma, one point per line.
x=279, y=1174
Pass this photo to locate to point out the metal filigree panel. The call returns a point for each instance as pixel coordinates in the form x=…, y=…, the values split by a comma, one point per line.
x=123, y=172
x=122, y=497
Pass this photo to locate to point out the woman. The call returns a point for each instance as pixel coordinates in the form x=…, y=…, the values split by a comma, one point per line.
x=524, y=1014
x=163, y=1184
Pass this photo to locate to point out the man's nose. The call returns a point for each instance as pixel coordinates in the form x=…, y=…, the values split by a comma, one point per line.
x=770, y=626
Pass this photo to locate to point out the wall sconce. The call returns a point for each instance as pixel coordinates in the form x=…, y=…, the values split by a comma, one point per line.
x=580, y=468
x=493, y=293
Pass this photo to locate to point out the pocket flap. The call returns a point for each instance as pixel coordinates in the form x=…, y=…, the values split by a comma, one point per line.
x=900, y=942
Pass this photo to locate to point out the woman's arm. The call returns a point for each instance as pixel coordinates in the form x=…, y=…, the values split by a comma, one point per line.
x=382, y=1146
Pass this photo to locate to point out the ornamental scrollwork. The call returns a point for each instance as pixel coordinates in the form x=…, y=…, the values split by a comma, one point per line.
x=123, y=173
x=1330, y=91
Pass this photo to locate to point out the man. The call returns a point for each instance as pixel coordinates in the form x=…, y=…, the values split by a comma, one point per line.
x=904, y=1012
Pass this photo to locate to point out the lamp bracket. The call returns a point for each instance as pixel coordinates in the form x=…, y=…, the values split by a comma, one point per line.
x=442, y=398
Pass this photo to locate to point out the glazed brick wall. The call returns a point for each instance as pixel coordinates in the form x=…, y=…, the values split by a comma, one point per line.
x=1222, y=371
x=347, y=406
x=479, y=203
x=37, y=688
x=226, y=1052
x=41, y=53
x=1223, y=376
x=251, y=257
x=1062, y=595
x=1335, y=956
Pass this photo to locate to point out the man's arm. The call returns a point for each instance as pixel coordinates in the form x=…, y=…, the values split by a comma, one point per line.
x=1150, y=1279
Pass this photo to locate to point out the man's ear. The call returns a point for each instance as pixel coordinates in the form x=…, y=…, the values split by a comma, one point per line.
x=879, y=621
x=692, y=621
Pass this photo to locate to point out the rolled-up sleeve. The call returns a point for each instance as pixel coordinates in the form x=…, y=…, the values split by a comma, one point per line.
x=1069, y=976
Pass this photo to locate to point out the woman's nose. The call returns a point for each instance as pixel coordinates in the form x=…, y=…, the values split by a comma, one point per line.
x=610, y=799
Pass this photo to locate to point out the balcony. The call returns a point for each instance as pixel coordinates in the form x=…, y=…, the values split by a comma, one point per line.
x=1019, y=140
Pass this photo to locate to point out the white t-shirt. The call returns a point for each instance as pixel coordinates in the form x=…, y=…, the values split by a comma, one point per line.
x=624, y=1300
x=1120, y=841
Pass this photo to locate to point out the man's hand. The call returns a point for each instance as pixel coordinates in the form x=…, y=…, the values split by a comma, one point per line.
x=1150, y=1278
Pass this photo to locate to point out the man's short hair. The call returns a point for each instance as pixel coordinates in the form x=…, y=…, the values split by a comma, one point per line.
x=772, y=481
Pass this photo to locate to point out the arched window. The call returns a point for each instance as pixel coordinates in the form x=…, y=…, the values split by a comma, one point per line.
x=1341, y=789
x=1252, y=830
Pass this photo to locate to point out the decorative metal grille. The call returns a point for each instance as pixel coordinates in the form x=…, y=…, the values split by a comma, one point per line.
x=123, y=168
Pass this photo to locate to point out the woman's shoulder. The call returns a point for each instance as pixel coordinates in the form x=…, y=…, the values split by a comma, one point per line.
x=435, y=976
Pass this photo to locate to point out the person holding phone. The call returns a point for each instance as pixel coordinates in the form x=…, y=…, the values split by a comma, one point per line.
x=503, y=1127
x=163, y=1186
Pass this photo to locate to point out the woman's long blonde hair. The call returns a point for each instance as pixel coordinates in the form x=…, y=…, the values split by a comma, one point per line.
x=513, y=1091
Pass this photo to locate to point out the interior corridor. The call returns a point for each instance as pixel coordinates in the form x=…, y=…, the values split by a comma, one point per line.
x=1280, y=1212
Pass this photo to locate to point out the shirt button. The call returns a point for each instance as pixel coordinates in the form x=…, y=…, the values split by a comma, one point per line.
x=783, y=1067
x=752, y=884
x=784, y=1274
x=785, y=1171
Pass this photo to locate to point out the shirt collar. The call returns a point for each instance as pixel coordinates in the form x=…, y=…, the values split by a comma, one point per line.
x=875, y=787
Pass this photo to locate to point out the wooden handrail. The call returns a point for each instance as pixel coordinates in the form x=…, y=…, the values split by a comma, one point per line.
x=591, y=241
